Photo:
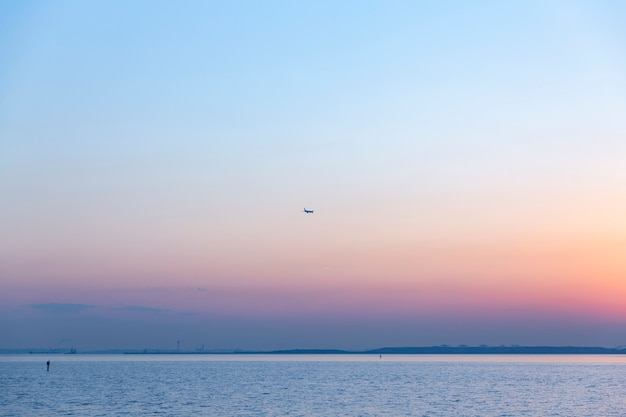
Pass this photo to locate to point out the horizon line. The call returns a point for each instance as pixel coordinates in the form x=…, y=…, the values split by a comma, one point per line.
x=438, y=349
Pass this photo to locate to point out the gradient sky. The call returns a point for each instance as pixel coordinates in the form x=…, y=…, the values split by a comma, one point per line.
x=466, y=162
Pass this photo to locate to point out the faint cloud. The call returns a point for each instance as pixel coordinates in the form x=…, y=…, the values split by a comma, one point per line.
x=141, y=309
x=60, y=308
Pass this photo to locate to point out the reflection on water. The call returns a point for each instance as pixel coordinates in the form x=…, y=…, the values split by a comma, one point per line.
x=313, y=385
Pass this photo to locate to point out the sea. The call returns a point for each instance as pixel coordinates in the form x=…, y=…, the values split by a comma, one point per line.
x=313, y=385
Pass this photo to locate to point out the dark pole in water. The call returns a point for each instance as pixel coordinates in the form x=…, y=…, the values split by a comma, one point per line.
x=48, y=366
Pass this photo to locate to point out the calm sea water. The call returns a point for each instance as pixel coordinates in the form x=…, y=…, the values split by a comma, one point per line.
x=310, y=385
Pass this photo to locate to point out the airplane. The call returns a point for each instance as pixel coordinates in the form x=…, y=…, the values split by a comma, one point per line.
x=307, y=211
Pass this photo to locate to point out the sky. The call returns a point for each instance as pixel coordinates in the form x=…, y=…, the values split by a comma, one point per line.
x=465, y=161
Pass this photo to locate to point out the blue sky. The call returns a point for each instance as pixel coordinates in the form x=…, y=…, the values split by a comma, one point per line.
x=467, y=155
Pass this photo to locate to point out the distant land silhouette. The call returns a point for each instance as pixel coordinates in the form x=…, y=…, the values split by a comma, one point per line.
x=468, y=350
x=423, y=350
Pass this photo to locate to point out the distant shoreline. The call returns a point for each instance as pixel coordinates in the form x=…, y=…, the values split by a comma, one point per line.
x=423, y=350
